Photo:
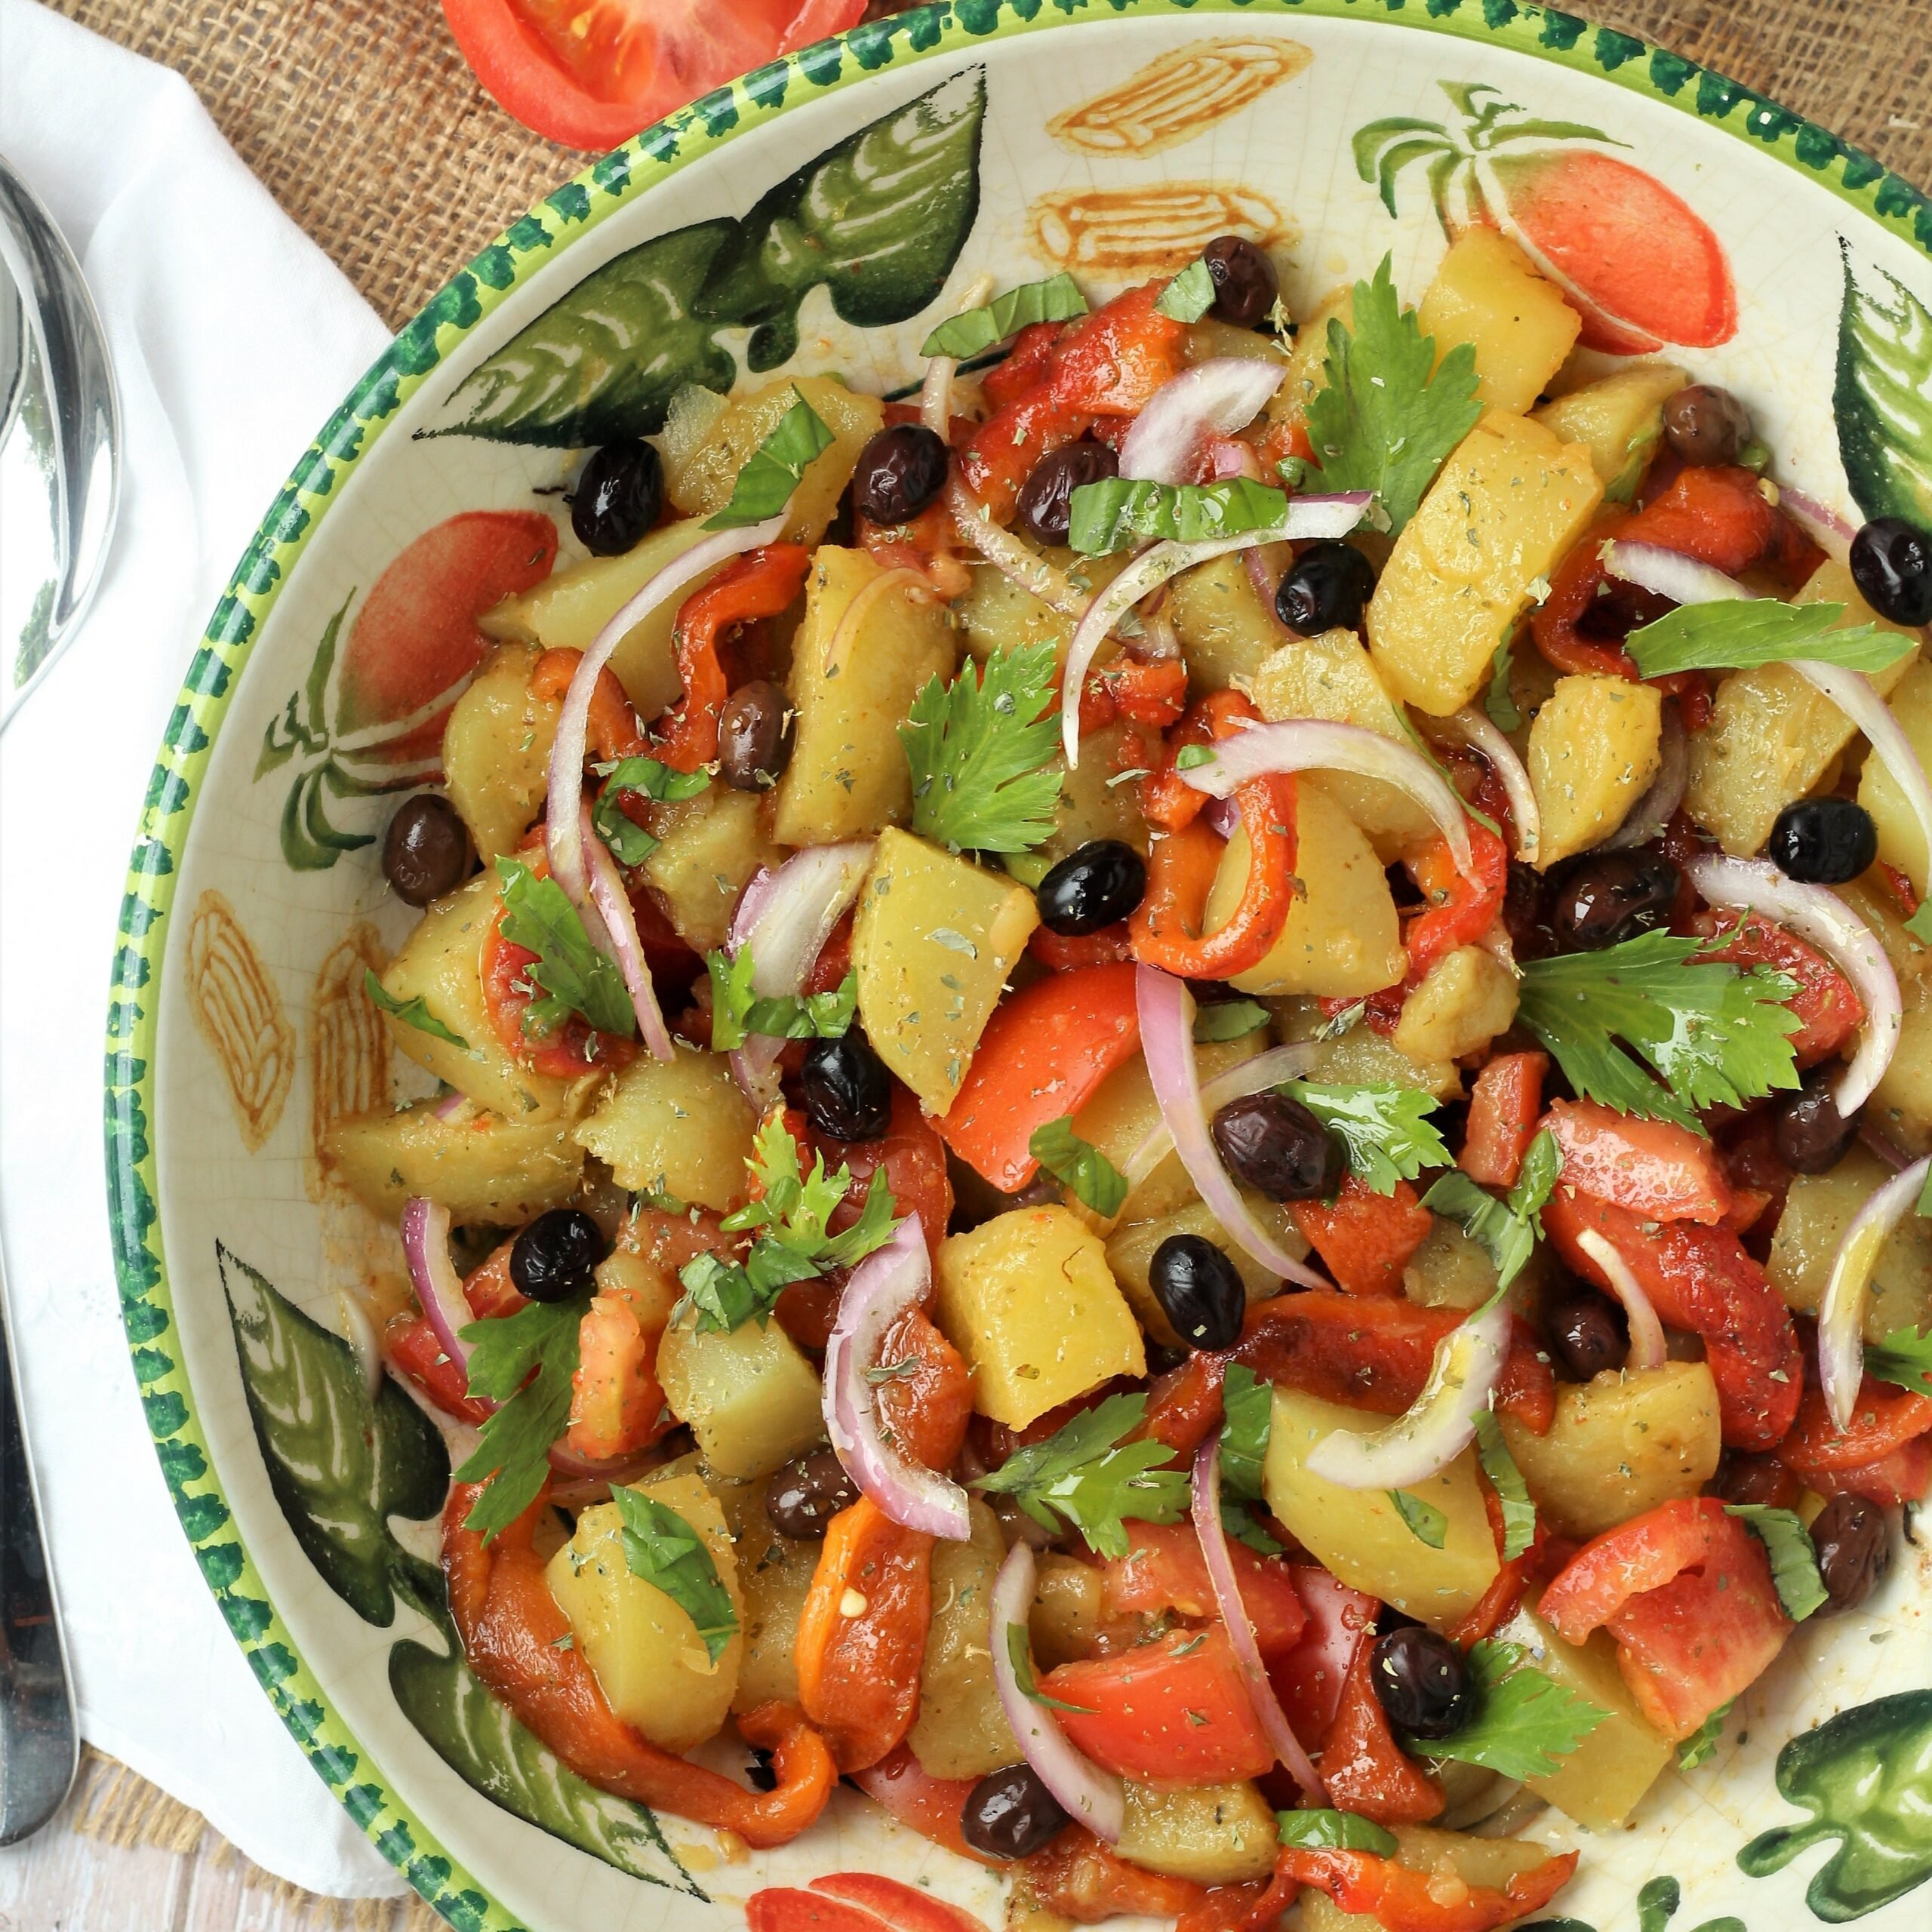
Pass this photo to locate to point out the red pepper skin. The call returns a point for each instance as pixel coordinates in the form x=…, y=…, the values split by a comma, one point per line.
x=411, y=1349
x=1078, y=1877
x=1700, y=1279
x=1365, y=1238
x=1364, y=1767
x=611, y=729
x=1503, y=1107
x=1402, y=1900
x=1652, y=1168
x=1903, y=1476
x=1457, y=910
x=1884, y=1420
x=1167, y=924
x=1829, y=1011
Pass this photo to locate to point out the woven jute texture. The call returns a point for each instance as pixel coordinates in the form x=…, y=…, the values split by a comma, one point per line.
x=362, y=119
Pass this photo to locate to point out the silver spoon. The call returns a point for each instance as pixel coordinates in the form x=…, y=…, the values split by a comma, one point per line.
x=59, y=472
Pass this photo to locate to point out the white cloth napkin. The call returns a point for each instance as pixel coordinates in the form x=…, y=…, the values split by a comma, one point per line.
x=233, y=336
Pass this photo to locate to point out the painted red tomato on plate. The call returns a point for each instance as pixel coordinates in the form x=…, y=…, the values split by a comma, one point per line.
x=591, y=73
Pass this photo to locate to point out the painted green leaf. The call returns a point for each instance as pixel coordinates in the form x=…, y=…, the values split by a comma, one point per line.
x=1863, y=1775
x=1883, y=399
x=486, y=1747
x=879, y=219
x=339, y=1473
x=605, y=361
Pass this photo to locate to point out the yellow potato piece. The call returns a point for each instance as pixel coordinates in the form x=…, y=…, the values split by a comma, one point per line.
x=962, y=1730
x=848, y=775
x=1487, y=292
x=482, y=1168
x=679, y=1127
x=1449, y=1270
x=1359, y=1536
x=1466, y=998
x=640, y=1643
x=1091, y=806
x=1499, y=517
x=708, y=848
x=1066, y=1620
x=1225, y=631
x=1027, y=1298
x=1131, y=1255
x=1593, y=752
x=496, y=751
x=1214, y=1834
x=1817, y=1211
x=1618, y=421
x=1901, y=1105
x=752, y=1401
x=775, y=1575
x=1901, y=838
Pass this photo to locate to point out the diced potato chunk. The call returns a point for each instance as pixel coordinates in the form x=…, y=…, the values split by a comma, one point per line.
x=997, y=614
x=1816, y=1212
x=962, y=1730
x=482, y=1168
x=1487, y=292
x=1131, y=1255
x=496, y=751
x=566, y=611
x=708, y=848
x=1308, y=360
x=1621, y=1445
x=702, y=465
x=1226, y=630
x=1871, y=898
x=1618, y=421
x=1214, y=1834
x=1901, y=1105
x=752, y=1399
x=1598, y=1783
x=1331, y=676
x=1901, y=838
x=1362, y=1057
x=774, y=1577
x=1772, y=738
x=1068, y=1610
x=1027, y=1298
x=1343, y=939
x=1358, y=1535
x=1500, y=515
x=678, y=1126
x=1449, y=1270
x=1593, y=752
x=1466, y=998
x=640, y=1643
x=441, y=964
x=848, y=775
x=933, y=939
x=1091, y=805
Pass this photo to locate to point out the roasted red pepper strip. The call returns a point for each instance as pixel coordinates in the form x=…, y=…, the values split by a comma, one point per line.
x=1904, y=1475
x=1112, y=946
x=759, y=584
x=1884, y=1418
x=859, y=1672
x=610, y=730
x=1167, y=801
x=1026, y=363
x=1827, y=1008
x=1256, y=1906
x=513, y=1637
x=1700, y=1279
x=411, y=1348
x=1364, y=1239
x=927, y=1405
x=934, y=1807
x=1503, y=1107
x=1364, y=1767
x=1153, y=693
x=1457, y=910
x=1078, y=1877
x=1404, y=1901
x=1045, y=1052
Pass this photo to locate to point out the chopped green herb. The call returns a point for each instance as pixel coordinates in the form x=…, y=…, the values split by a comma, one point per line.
x=1507, y=1230
x=1794, y=1557
x=630, y=844
x=1019, y=1650
x=411, y=1012
x=1385, y=1128
x=738, y=1012
x=1703, y=1740
x=1227, y=1019
x=1739, y=634
x=1525, y=1724
x=1500, y=701
x=1248, y=1409
x=1519, y=1513
x=1058, y=299
x=1190, y=296
x=1335, y=1831
x=1119, y=512
x=575, y=978
x=764, y=485
x=1071, y=1160
x=1904, y=1357
x=1426, y=1523
x=662, y=1549
x=511, y=1456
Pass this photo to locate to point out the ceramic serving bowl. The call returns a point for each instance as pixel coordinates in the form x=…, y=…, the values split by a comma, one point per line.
x=821, y=214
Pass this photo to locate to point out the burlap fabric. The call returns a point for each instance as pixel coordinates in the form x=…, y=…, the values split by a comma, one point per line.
x=365, y=124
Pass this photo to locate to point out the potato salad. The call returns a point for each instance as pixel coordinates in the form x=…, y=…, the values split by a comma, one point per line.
x=1176, y=1102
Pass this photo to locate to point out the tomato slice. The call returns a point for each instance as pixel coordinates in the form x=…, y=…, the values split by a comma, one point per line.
x=1504, y=1106
x=1652, y=1168
x=1164, y=1569
x=1827, y=1008
x=1365, y=1238
x=591, y=73
x=1309, y=1679
x=1176, y=1710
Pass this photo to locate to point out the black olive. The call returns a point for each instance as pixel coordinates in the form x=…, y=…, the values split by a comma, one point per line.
x=1607, y=897
x=1011, y=1813
x=1854, y=1545
x=1279, y=1148
x=1823, y=841
x=553, y=1258
x=1707, y=427
x=1891, y=564
x=900, y=471
x=1588, y=1333
x=618, y=497
x=1745, y=1478
x=802, y=1498
x=1807, y=1128
x=1328, y=588
x=1421, y=1681
x=1046, y=498
x=754, y=732
x=848, y=1093
x=1245, y=284
x=1097, y=886
x=1199, y=1291
x=426, y=851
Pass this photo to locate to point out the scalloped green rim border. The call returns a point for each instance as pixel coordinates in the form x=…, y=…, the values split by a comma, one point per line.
x=579, y=205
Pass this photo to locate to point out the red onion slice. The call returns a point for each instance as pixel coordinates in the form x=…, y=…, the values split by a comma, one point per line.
x=1823, y=919
x=1440, y=1424
x=1167, y=1040
x=1855, y=695
x=1308, y=517
x=563, y=818
x=1482, y=734
x=586, y=1468
x=1654, y=811
x=1669, y=573
x=1088, y=1795
x=1832, y=532
x=1274, y=1725
x=1314, y=744
x=936, y=391
x=1647, y=1341
x=1252, y=1076
x=1007, y=555
x=426, y=1245
x=1215, y=398
x=613, y=905
x=880, y=1289
x=1841, y=1313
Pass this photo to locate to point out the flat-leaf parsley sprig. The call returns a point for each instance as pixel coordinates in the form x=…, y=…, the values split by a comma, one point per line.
x=983, y=754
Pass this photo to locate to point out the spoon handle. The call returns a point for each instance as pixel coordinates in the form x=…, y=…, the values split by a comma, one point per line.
x=39, y=1741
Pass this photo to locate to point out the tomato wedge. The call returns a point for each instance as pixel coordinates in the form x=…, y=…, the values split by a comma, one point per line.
x=1652, y=1168
x=1164, y=1569
x=591, y=73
